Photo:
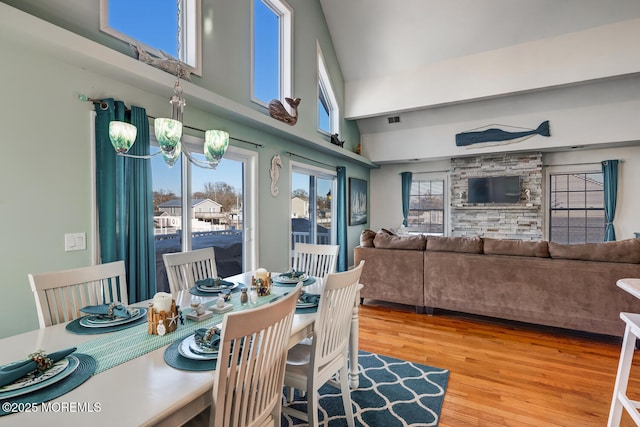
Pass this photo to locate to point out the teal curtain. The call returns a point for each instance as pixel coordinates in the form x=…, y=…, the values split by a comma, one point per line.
x=406, y=195
x=124, y=199
x=610, y=174
x=341, y=220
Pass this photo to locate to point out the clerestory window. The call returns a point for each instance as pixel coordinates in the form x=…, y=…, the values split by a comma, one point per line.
x=153, y=24
x=328, y=113
x=271, y=73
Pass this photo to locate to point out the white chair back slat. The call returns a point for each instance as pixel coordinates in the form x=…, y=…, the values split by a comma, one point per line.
x=60, y=295
x=185, y=268
x=315, y=260
x=248, y=382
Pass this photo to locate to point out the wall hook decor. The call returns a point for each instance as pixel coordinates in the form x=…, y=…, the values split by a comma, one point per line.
x=276, y=164
x=278, y=112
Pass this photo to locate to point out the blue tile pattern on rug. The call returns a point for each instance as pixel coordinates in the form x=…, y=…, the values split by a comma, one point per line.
x=392, y=392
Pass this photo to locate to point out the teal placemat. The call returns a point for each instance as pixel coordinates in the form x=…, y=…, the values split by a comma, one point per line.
x=307, y=282
x=174, y=359
x=307, y=310
x=119, y=347
x=85, y=369
x=76, y=328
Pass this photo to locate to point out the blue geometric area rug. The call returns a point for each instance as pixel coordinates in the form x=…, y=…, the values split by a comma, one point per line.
x=392, y=392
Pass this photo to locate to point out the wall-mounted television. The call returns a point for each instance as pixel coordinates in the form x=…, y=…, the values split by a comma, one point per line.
x=494, y=189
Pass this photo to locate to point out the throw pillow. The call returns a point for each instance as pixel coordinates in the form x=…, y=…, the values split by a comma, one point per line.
x=627, y=251
x=515, y=247
x=472, y=245
x=366, y=238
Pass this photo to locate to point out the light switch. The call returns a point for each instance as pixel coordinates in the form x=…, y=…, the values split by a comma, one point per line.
x=75, y=242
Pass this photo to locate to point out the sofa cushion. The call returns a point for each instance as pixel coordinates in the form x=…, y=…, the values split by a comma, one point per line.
x=627, y=251
x=472, y=245
x=515, y=247
x=366, y=238
x=387, y=241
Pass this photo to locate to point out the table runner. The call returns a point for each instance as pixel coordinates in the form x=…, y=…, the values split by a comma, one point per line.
x=115, y=348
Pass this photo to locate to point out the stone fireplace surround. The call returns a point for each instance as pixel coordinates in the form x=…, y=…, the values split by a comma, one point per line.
x=521, y=221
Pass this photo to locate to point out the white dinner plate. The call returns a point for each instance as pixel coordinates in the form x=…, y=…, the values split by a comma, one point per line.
x=286, y=279
x=29, y=383
x=185, y=350
x=92, y=322
x=218, y=289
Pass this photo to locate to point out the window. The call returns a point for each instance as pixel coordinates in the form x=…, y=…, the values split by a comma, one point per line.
x=153, y=23
x=426, y=206
x=328, y=113
x=219, y=209
x=312, y=215
x=576, y=208
x=272, y=50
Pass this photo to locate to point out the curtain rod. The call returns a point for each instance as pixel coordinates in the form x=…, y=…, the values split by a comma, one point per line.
x=104, y=106
x=440, y=171
x=580, y=164
x=307, y=158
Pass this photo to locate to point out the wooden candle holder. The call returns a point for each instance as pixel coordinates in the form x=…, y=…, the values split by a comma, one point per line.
x=263, y=287
x=169, y=320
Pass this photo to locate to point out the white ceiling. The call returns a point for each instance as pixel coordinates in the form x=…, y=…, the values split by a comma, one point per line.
x=377, y=39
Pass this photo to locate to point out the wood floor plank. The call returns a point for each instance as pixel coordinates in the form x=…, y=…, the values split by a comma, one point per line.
x=504, y=373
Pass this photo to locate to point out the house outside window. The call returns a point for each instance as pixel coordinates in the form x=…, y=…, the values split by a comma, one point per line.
x=271, y=71
x=426, y=206
x=576, y=208
x=328, y=112
x=154, y=26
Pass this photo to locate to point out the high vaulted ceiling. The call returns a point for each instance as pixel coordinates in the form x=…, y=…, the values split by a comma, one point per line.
x=382, y=40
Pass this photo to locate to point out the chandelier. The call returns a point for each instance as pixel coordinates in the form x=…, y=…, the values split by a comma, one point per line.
x=168, y=131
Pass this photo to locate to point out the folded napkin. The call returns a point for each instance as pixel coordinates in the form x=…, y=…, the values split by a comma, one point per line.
x=13, y=371
x=211, y=283
x=309, y=298
x=114, y=310
x=209, y=338
x=293, y=274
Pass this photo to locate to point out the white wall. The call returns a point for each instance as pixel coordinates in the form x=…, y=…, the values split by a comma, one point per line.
x=386, y=204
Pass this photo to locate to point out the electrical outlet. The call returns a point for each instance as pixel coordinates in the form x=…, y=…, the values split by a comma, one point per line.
x=75, y=242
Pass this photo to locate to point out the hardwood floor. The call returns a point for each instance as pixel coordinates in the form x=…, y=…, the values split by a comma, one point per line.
x=504, y=373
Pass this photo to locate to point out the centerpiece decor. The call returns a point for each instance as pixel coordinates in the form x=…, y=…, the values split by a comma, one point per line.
x=163, y=315
x=261, y=281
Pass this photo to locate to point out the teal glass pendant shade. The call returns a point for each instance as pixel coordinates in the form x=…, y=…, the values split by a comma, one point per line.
x=215, y=145
x=171, y=158
x=168, y=133
x=122, y=135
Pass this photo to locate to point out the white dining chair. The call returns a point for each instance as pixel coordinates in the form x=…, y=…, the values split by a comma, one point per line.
x=248, y=380
x=315, y=260
x=60, y=295
x=185, y=268
x=312, y=364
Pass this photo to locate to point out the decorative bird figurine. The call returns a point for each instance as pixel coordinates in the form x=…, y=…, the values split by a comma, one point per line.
x=278, y=112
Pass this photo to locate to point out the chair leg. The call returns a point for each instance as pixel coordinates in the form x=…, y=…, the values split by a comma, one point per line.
x=622, y=377
x=346, y=393
x=312, y=402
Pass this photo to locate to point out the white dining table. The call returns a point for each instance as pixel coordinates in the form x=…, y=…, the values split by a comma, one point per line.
x=144, y=391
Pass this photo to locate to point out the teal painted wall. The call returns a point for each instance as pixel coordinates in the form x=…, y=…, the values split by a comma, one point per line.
x=46, y=133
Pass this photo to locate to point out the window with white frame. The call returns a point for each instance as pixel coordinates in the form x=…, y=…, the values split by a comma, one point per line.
x=154, y=26
x=426, y=206
x=312, y=209
x=576, y=208
x=328, y=113
x=271, y=71
x=220, y=212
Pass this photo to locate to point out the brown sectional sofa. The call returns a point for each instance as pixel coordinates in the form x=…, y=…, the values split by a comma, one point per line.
x=566, y=286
